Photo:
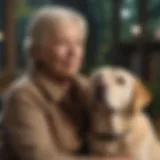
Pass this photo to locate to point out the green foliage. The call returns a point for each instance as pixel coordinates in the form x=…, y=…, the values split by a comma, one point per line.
x=23, y=9
x=101, y=12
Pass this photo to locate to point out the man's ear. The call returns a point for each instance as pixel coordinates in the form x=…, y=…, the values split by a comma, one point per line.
x=142, y=96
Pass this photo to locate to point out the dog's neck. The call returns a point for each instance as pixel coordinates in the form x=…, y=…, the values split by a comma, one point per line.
x=140, y=129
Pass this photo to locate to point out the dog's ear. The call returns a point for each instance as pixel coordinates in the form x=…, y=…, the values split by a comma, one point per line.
x=142, y=96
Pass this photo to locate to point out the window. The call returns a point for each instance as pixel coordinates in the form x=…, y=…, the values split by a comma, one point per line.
x=129, y=18
x=153, y=16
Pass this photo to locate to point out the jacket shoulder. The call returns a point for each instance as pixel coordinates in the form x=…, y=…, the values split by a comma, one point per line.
x=20, y=87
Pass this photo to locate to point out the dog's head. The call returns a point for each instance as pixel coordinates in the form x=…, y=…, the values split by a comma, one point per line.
x=120, y=95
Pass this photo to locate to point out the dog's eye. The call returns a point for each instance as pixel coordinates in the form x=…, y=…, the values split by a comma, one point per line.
x=120, y=80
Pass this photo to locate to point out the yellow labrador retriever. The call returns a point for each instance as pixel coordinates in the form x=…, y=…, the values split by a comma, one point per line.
x=119, y=124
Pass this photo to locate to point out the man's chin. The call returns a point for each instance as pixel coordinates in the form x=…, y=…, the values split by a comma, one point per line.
x=70, y=74
x=65, y=74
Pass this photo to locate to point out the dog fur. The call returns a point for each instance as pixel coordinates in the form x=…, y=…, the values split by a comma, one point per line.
x=119, y=98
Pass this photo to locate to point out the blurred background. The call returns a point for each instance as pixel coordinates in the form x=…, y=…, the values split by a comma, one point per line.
x=122, y=32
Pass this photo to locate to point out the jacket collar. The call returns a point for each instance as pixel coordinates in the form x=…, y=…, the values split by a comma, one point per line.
x=52, y=90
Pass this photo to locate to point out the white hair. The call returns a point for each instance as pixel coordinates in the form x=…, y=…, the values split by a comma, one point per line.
x=46, y=19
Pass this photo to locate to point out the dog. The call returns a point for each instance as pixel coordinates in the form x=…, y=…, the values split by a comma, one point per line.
x=119, y=124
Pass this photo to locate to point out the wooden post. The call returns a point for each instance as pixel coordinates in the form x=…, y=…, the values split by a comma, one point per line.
x=142, y=10
x=116, y=21
x=9, y=37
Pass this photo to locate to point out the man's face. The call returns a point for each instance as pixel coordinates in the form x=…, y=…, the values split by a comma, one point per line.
x=62, y=55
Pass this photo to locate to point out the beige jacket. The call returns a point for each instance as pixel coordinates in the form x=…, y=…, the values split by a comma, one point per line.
x=42, y=121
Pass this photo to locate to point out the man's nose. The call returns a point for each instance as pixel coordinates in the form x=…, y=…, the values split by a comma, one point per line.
x=71, y=51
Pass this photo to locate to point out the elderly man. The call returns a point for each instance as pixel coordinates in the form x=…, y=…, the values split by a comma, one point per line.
x=45, y=115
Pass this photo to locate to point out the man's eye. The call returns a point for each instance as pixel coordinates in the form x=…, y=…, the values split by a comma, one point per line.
x=120, y=80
